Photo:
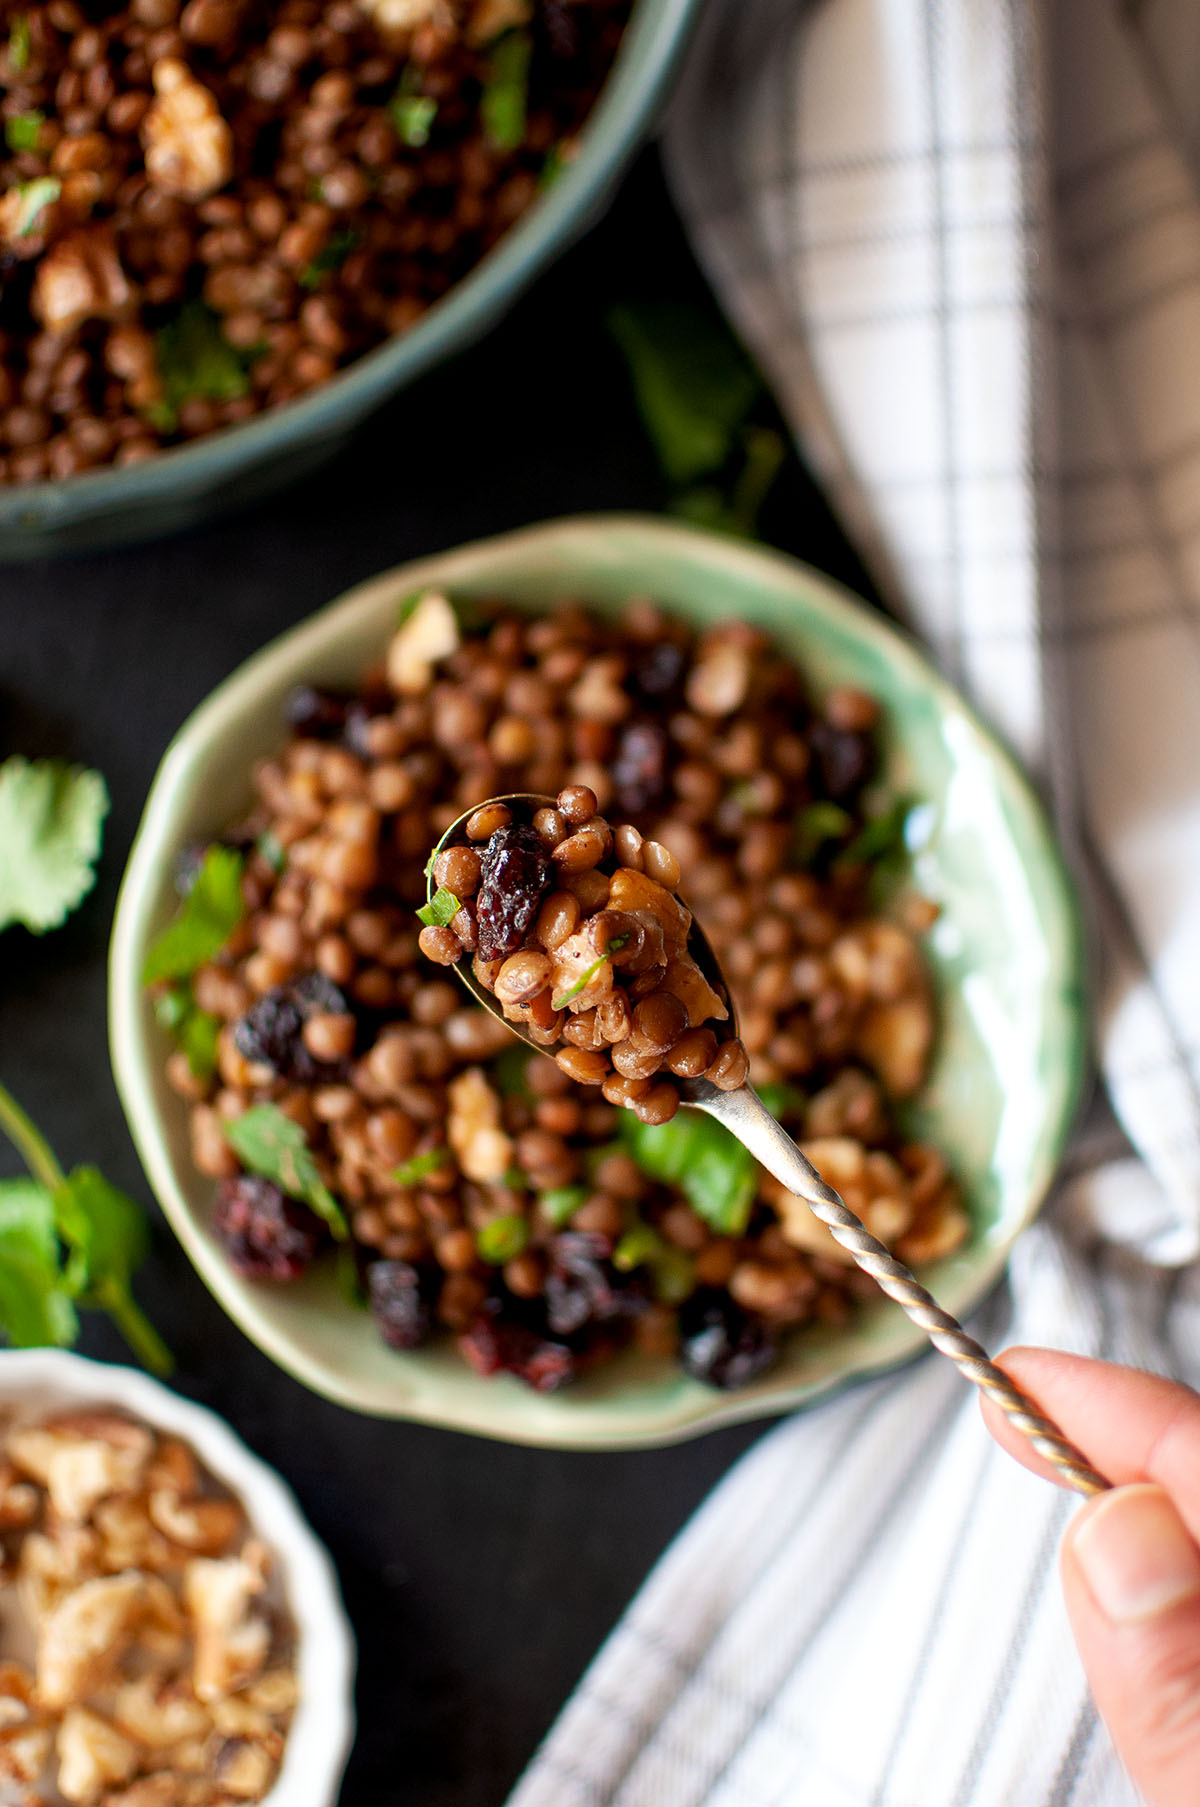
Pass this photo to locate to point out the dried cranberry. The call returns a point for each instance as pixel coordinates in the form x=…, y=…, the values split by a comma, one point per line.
x=266, y=1235
x=272, y=1030
x=516, y=869
x=499, y=1343
x=657, y=672
x=639, y=769
x=720, y=1344
x=398, y=1305
x=562, y=33
x=845, y=759
x=316, y=714
x=583, y=1287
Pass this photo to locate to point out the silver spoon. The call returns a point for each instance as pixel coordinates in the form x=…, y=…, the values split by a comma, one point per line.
x=745, y=1116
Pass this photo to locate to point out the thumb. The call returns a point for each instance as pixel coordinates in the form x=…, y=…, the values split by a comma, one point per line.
x=1131, y=1573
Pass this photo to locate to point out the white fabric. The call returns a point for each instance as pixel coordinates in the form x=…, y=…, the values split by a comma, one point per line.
x=963, y=239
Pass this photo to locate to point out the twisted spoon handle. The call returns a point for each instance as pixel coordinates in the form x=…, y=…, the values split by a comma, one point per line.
x=747, y=1117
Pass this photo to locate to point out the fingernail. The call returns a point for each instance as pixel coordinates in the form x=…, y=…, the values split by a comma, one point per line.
x=1136, y=1556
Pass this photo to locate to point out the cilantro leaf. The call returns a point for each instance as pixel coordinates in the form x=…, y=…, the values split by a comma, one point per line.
x=505, y=95
x=715, y=1173
x=195, y=359
x=442, y=908
x=882, y=836
x=50, y=825
x=410, y=111
x=693, y=384
x=559, y=1205
x=502, y=1239
x=33, y=199
x=816, y=825
x=106, y=1237
x=35, y=1304
x=409, y=1172
x=205, y=920
x=269, y=1143
x=21, y=130
x=194, y=1030
x=674, y=1271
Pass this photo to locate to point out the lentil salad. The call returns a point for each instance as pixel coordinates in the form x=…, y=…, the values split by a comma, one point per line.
x=208, y=207
x=341, y=1090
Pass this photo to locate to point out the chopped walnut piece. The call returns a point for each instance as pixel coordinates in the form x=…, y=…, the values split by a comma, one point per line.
x=882, y=972
x=82, y=1636
x=406, y=15
x=245, y=1771
x=16, y=1695
x=129, y=1540
x=24, y=1752
x=161, y=1790
x=50, y=1566
x=207, y=1527
x=189, y=147
x=80, y=278
x=231, y=1642
x=81, y=1462
x=871, y=1184
x=91, y=1753
x=483, y=1151
x=158, y=1719
x=430, y=633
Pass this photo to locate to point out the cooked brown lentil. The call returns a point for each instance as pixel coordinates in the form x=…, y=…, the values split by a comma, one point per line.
x=500, y=1200
x=208, y=209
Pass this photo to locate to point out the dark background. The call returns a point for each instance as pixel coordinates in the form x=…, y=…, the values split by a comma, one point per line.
x=480, y=1578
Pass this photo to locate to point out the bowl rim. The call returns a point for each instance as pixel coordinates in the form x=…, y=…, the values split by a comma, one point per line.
x=296, y=649
x=322, y=1730
x=654, y=42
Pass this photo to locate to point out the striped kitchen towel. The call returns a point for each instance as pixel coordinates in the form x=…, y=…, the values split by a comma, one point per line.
x=963, y=239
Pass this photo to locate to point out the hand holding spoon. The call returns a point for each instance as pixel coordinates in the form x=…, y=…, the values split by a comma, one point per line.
x=504, y=849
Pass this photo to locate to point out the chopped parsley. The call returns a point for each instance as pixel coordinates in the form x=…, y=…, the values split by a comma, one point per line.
x=51, y=817
x=195, y=360
x=271, y=1144
x=816, y=825
x=559, y=1205
x=194, y=1030
x=205, y=920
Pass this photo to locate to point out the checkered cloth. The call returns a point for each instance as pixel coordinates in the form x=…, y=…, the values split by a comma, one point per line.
x=963, y=239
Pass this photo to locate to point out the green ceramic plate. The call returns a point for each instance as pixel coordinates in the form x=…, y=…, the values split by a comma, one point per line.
x=242, y=464
x=1006, y=951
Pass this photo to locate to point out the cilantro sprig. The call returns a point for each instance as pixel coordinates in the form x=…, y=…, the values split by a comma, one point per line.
x=411, y=111
x=502, y=1239
x=411, y=1171
x=714, y=1172
x=271, y=1144
x=196, y=361
x=51, y=819
x=68, y=1242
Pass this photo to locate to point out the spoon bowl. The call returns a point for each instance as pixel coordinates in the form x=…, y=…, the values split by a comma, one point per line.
x=742, y=1112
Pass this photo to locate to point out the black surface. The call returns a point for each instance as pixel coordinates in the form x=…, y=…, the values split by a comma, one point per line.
x=480, y=1578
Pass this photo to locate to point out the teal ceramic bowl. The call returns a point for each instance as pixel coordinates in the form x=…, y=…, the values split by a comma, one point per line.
x=1006, y=954
x=243, y=464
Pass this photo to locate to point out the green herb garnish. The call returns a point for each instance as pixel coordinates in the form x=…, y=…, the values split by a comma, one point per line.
x=581, y=984
x=22, y=130
x=674, y=1270
x=815, y=826
x=441, y=909
x=196, y=360
x=329, y=258
x=559, y=1205
x=502, y=1239
x=692, y=382
x=882, y=837
x=194, y=1030
x=410, y=111
x=715, y=1173
x=505, y=95
x=272, y=850
x=514, y=1178
x=782, y=1100
x=553, y=166
x=271, y=1144
x=736, y=511
x=33, y=199
x=205, y=920
x=51, y=817
x=409, y=1172
x=19, y=42
x=67, y=1240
